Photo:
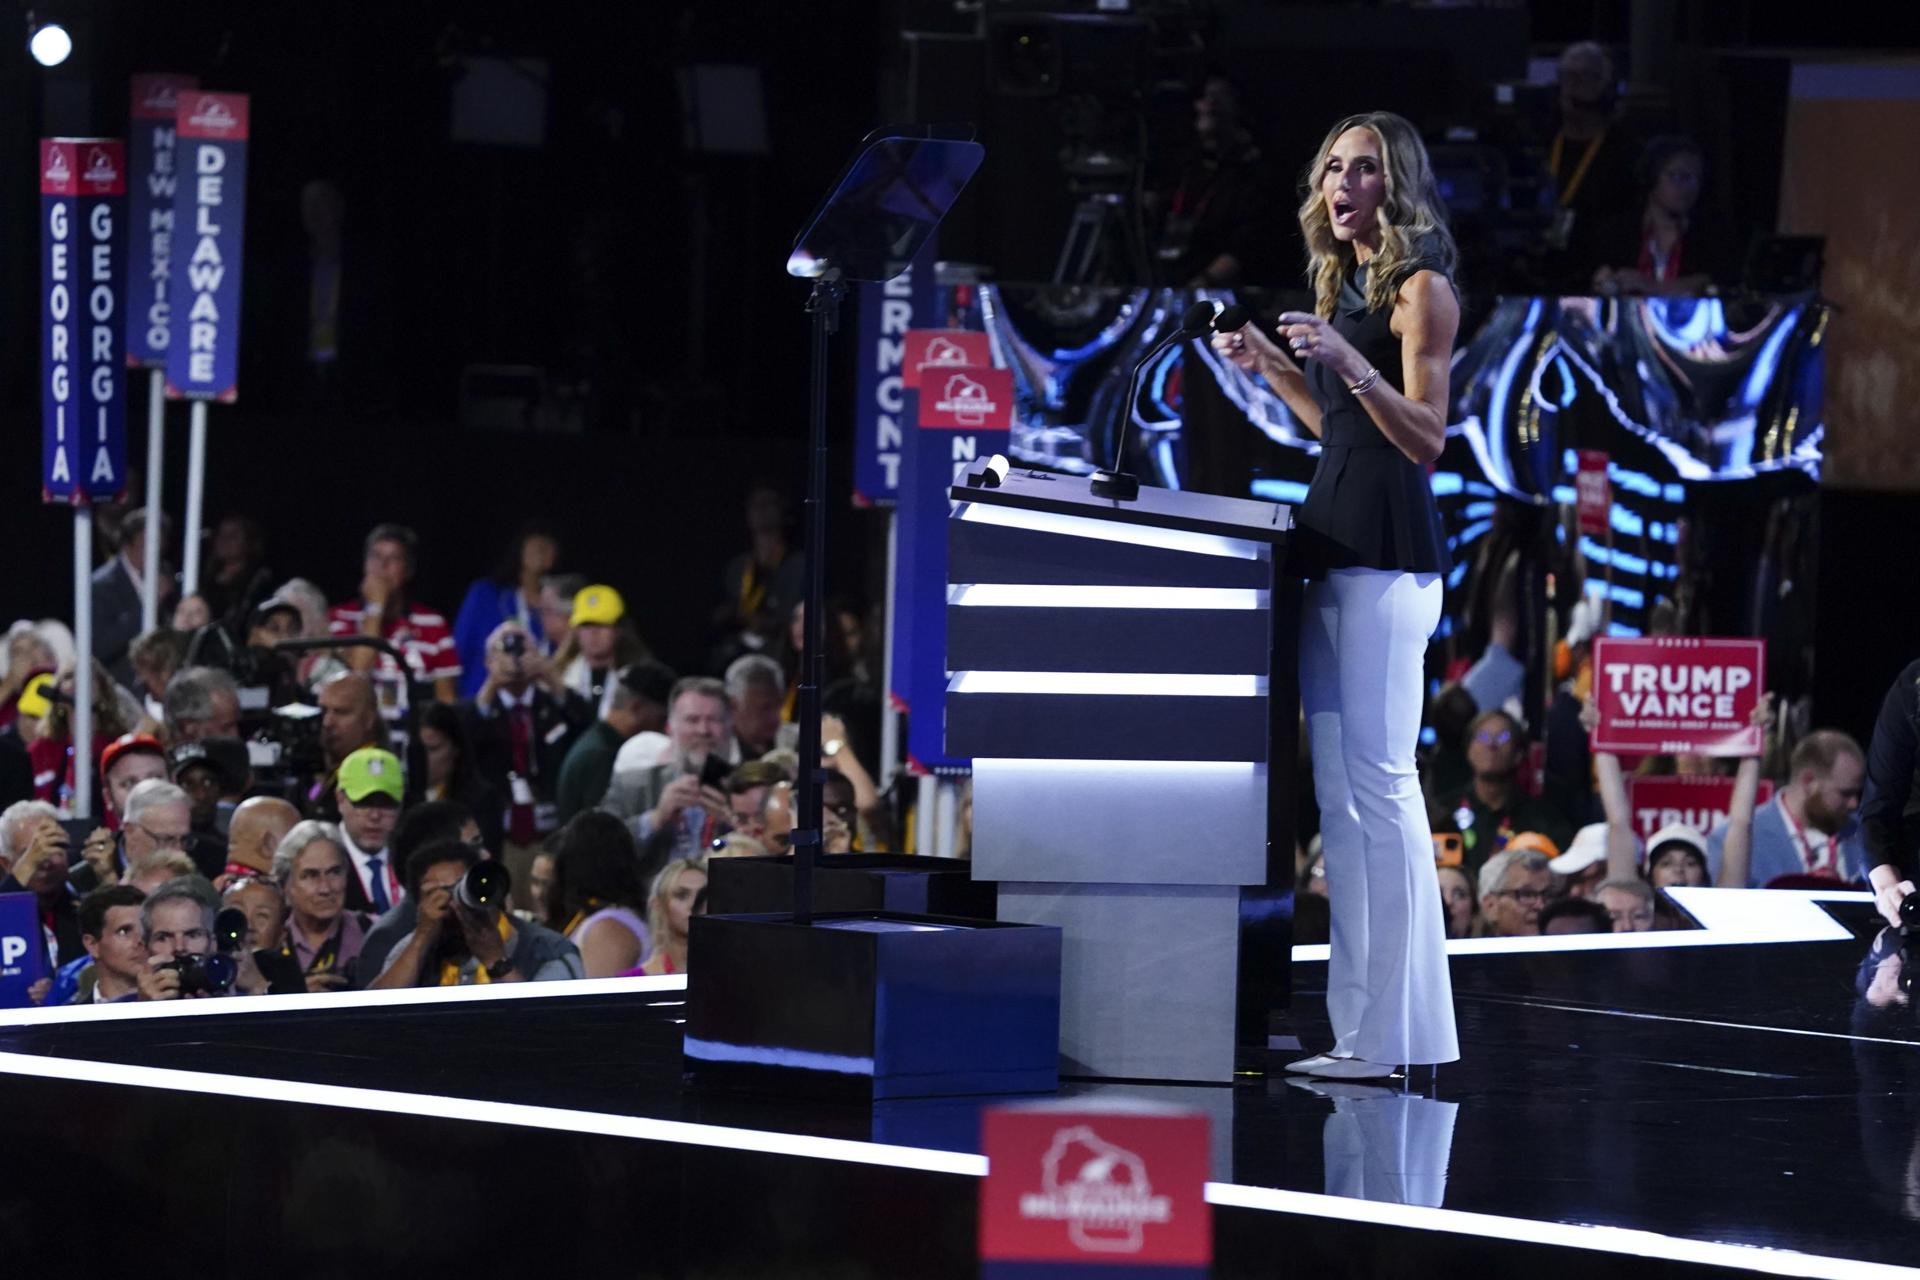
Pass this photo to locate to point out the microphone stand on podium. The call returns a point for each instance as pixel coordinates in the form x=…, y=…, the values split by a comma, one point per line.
x=1199, y=320
x=874, y=1004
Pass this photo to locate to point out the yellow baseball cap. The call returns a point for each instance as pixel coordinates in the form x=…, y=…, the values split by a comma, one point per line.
x=369, y=772
x=33, y=699
x=598, y=605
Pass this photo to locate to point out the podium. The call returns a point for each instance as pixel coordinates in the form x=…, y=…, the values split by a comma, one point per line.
x=1122, y=675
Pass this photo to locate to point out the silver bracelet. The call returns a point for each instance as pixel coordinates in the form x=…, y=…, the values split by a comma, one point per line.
x=1365, y=384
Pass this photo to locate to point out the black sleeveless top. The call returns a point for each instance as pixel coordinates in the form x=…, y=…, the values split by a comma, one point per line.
x=1369, y=506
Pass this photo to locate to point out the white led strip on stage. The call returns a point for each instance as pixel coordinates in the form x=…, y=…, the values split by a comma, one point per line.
x=1009, y=595
x=1109, y=683
x=1728, y=917
x=309, y=1002
x=1120, y=768
x=1138, y=535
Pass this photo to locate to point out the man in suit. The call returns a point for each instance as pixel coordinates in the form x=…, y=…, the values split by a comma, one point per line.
x=521, y=724
x=118, y=589
x=670, y=802
x=369, y=790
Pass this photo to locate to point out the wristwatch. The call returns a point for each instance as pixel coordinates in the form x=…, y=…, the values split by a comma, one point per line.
x=500, y=968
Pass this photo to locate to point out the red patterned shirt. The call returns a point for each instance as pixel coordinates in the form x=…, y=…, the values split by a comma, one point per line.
x=422, y=635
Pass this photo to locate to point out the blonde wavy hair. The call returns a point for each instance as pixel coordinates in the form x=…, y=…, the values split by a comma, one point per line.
x=1413, y=221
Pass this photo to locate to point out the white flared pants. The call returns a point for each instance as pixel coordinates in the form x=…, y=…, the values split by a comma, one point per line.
x=1363, y=647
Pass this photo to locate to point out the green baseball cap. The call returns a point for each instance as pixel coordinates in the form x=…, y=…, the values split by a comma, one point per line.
x=370, y=772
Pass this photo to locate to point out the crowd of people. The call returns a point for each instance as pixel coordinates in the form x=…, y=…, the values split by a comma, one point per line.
x=537, y=734
x=1536, y=833
x=339, y=815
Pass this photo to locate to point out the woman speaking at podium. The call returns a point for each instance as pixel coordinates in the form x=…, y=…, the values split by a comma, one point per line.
x=1367, y=373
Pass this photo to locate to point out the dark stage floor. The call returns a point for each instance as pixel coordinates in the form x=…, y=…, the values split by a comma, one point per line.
x=1701, y=1096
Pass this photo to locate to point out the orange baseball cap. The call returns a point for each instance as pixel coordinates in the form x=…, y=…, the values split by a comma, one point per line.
x=1535, y=841
x=127, y=744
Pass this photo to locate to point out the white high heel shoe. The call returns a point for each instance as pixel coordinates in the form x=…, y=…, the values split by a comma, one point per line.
x=1353, y=1069
x=1311, y=1066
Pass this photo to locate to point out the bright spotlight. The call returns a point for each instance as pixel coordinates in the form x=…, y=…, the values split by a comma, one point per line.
x=50, y=44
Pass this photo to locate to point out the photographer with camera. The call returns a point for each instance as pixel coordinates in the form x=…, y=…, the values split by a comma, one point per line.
x=463, y=933
x=522, y=723
x=33, y=859
x=431, y=822
x=194, y=951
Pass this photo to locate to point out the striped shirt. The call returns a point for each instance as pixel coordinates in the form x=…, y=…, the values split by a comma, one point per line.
x=422, y=635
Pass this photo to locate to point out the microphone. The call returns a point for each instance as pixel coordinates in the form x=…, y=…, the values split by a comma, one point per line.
x=1120, y=485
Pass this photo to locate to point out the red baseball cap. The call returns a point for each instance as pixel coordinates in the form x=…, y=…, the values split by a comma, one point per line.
x=126, y=744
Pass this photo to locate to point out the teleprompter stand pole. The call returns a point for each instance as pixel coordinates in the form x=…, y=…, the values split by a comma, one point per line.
x=823, y=305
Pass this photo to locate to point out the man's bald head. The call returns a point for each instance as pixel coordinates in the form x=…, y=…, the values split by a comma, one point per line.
x=349, y=716
x=258, y=827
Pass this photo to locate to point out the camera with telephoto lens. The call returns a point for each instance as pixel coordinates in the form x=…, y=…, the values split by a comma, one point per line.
x=215, y=974
x=484, y=887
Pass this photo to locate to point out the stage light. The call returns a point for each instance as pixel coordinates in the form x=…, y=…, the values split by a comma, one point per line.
x=1007, y=595
x=48, y=42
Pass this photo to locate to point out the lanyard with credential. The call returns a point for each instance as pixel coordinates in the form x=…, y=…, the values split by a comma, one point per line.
x=1579, y=171
x=1806, y=849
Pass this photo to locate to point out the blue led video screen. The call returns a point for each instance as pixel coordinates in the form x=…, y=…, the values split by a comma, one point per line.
x=1710, y=409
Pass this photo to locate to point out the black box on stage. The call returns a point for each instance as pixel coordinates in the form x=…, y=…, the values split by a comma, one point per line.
x=891, y=882
x=873, y=1006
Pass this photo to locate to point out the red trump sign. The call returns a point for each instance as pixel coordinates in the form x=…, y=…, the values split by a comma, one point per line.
x=1702, y=803
x=1673, y=694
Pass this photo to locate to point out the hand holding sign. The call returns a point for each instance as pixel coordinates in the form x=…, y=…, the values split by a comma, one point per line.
x=1671, y=695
